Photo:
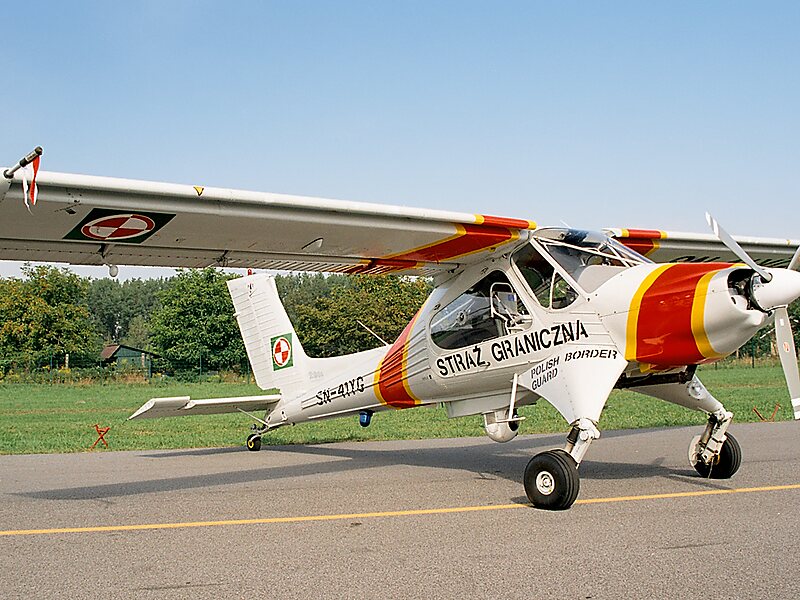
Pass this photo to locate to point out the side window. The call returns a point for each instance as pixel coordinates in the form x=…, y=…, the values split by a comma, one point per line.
x=470, y=318
x=549, y=288
x=563, y=295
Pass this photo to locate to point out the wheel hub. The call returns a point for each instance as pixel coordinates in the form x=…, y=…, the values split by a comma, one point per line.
x=545, y=483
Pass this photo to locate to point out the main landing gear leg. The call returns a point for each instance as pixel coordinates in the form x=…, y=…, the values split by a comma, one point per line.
x=715, y=453
x=551, y=478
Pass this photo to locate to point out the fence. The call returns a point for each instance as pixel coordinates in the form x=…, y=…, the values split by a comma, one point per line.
x=71, y=368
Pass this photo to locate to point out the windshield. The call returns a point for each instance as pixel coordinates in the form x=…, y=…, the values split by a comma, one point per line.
x=590, y=257
x=548, y=287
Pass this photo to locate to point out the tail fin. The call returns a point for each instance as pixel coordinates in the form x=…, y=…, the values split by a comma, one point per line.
x=275, y=353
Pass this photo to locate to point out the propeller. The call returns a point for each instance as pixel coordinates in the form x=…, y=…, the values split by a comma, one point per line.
x=734, y=247
x=788, y=354
x=794, y=264
x=772, y=297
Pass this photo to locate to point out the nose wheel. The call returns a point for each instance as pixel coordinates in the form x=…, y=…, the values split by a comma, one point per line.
x=721, y=466
x=551, y=480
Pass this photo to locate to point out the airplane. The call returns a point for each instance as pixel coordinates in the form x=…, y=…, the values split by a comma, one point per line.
x=518, y=313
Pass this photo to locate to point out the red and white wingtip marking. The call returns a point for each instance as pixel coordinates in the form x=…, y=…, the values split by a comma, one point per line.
x=32, y=192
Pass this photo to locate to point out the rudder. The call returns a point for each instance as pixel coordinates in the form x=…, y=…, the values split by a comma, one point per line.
x=275, y=353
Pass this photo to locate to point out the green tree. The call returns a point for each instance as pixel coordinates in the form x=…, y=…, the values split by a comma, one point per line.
x=138, y=335
x=329, y=325
x=196, y=319
x=302, y=290
x=116, y=305
x=44, y=314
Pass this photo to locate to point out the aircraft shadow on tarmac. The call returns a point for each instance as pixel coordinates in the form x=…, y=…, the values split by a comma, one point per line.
x=486, y=461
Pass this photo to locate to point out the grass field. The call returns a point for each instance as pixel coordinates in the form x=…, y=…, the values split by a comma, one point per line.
x=39, y=418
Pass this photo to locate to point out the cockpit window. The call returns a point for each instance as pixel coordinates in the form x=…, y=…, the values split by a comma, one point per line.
x=604, y=249
x=471, y=318
x=590, y=258
x=549, y=288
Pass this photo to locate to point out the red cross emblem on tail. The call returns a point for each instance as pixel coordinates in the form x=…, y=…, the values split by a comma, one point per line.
x=282, y=352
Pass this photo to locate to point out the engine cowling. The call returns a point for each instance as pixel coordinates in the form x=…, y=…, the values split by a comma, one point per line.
x=498, y=428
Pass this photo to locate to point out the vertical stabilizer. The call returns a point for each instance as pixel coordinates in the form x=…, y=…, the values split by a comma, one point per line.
x=275, y=353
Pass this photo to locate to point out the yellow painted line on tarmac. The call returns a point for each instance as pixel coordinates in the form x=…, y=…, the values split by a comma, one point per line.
x=767, y=488
x=393, y=513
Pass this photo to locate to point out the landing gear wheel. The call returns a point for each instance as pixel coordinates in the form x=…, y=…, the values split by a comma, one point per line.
x=254, y=442
x=724, y=465
x=551, y=480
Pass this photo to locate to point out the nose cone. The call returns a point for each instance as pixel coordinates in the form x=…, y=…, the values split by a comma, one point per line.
x=779, y=291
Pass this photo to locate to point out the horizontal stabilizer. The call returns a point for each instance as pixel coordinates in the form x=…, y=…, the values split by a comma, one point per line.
x=179, y=406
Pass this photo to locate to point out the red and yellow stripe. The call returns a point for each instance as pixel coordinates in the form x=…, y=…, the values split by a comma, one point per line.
x=643, y=241
x=391, y=377
x=666, y=322
x=487, y=232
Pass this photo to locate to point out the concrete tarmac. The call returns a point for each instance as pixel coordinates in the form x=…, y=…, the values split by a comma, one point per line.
x=374, y=520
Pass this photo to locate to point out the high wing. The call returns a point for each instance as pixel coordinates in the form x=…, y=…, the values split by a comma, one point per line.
x=670, y=246
x=81, y=219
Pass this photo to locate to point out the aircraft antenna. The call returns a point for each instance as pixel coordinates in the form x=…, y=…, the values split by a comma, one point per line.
x=383, y=341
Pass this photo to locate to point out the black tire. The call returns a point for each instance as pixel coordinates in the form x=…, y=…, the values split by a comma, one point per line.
x=551, y=480
x=254, y=442
x=726, y=464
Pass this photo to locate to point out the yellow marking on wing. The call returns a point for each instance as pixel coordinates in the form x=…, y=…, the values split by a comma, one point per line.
x=481, y=219
x=460, y=232
x=657, y=243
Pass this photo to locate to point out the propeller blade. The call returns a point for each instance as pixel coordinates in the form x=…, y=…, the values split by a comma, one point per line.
x=734, y=247
x=794, y=264
x=788, y=354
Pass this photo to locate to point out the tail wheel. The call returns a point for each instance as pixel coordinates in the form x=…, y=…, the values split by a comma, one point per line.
x=551, y=480
x=254, y=442
x=726, y=464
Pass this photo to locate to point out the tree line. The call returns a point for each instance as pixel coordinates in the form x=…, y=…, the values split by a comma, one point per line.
x=189, y=319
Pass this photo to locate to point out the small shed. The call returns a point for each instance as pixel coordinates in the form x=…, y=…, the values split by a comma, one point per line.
x=128, y=356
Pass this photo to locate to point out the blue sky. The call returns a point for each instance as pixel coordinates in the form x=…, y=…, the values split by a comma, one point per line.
x=596, y=114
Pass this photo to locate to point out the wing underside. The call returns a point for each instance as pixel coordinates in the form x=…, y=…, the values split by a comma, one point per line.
x=81, y=219
x=86, y=220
